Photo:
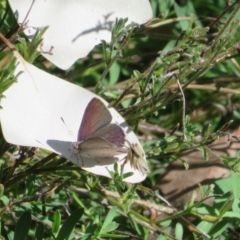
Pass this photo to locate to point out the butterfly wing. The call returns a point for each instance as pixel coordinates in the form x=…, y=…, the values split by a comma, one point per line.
x=95, y=117
x=112, y=133
x=99, y=148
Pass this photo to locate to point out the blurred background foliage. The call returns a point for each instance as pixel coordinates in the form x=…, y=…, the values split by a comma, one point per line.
x=176, y=81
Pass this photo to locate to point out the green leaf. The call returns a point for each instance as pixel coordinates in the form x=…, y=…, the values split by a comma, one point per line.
x=56, y=222
x=30, y=183
x=105, y=51
x=109, y=228
x=69, y=224
x=231, y=215
x=235, y=185
x=179, y=231
x=114, y=73
x=126, y=175
x=204, y=152
x=224, y=185
x=86, y=236
x=1, y=190
x=22, y=226
x=91, y=228
x=111, y=215
x=39, y=232
x=161, y=237
x=218, y=229
x=164, y=7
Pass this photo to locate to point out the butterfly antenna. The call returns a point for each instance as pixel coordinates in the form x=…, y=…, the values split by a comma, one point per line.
x=69, y=131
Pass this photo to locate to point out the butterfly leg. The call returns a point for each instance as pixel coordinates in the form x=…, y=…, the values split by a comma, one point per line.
x=76, y=156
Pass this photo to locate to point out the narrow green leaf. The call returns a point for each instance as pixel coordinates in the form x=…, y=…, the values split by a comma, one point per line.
x=111, y=215
x=218, y=229
x=69, y=224
x=39, y=232
x=22, y=226
x=56, y=222
x=105, y=55
x=1, y=190
x=109, y=228
x=115, y=168
x=231, y=215
x=179, y=231
x=164, y=7
x=235, y=185
x=114, y=73
x=126, y=175
x=161, y=237
x=86, y=236
x=91, y=228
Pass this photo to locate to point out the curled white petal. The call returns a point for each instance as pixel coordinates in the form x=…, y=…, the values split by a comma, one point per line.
x=44, y=111
x=76, y=26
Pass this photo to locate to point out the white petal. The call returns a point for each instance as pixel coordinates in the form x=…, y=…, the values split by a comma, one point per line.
x=76, y=26
x=33, y=109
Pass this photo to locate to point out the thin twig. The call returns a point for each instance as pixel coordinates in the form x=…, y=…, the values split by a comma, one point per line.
x=183, y=112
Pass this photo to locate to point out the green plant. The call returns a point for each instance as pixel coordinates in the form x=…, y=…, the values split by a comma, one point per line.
x=175, y=80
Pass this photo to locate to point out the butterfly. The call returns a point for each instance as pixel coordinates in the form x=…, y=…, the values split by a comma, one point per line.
x=98, y=138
